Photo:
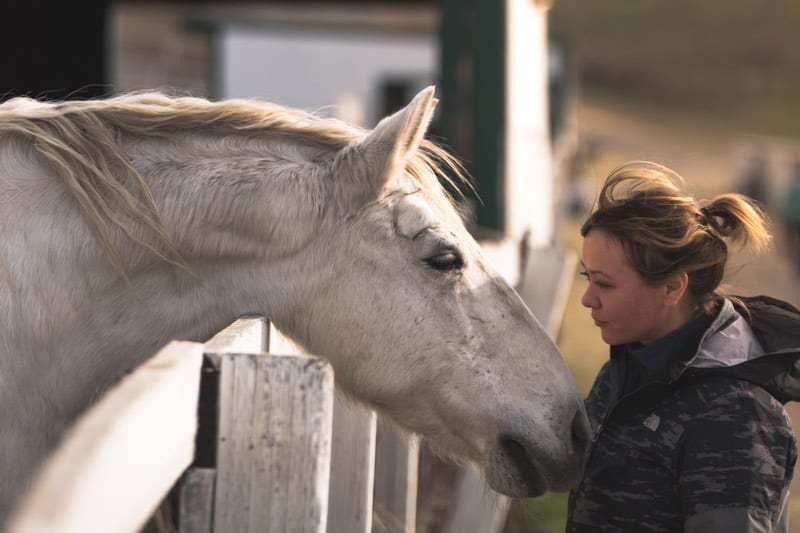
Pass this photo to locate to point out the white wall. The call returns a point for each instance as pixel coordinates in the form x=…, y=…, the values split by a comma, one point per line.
x=315, y=69
x=529, y=167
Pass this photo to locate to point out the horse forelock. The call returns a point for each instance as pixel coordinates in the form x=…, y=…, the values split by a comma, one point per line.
x=82, y=141
x=431, y=167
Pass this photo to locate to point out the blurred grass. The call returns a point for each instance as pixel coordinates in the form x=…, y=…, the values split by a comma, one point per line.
x=538, y=515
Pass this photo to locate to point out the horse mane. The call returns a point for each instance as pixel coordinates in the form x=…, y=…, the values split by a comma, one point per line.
x=82, y=141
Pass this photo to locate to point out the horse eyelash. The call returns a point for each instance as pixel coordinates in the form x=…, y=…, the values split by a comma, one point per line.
x=454, y=261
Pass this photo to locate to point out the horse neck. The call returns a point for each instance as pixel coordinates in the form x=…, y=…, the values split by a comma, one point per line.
x=223, y=197
x=244, y=213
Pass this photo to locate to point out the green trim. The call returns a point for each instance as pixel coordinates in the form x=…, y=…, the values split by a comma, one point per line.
x=473, y=105
x=489, y=110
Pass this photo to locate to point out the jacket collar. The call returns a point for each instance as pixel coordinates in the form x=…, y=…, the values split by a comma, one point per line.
x=771, y=326
x=666, y=358
x=729, y=341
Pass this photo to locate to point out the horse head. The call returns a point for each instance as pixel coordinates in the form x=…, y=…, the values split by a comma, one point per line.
x=417, y=323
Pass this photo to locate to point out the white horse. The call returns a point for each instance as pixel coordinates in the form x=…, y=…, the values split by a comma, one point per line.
x=128, y=222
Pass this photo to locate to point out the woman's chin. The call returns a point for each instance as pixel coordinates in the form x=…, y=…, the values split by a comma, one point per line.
x=609, y=337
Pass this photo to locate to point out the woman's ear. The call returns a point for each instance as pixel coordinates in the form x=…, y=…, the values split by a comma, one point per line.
x=675, y=288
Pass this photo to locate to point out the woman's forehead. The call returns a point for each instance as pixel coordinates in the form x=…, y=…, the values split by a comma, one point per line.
x=602, y=252
x=601, y=243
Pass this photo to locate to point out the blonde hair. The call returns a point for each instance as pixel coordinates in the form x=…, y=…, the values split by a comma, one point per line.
x=664, y=231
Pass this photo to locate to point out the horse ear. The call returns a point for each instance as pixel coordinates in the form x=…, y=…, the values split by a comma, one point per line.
x=364, y=167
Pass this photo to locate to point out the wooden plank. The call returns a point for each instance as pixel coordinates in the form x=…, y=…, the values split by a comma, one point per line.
x=274, y=444
x=277, y=342
x=396, y=469
x=353, y=456
x=245, y=335
x=197, y=501
x=123, y=455
x=352, y=467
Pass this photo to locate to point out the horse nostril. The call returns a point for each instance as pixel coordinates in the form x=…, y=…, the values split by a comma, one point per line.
x=513, y=449
x=581, y=432
x=517, y=453
x=525, y=467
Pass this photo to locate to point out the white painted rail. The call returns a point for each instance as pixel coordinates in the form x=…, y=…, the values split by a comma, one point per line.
x=123, y=455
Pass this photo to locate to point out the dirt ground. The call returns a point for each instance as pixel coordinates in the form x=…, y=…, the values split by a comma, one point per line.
x=709, y=160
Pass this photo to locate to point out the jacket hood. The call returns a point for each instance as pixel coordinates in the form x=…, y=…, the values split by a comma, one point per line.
x=760, y=343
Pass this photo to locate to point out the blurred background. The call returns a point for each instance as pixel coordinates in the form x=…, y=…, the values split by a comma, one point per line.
x=541, y=99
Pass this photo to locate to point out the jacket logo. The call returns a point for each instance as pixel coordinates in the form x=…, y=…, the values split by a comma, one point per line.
x=652, y=422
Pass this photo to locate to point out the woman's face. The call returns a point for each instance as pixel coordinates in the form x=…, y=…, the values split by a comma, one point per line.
x=624, y=307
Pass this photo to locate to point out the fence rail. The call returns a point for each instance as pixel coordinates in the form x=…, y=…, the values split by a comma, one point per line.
x=124, y=454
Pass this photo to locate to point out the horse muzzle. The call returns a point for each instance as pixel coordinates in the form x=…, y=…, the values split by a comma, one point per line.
x=523, y=467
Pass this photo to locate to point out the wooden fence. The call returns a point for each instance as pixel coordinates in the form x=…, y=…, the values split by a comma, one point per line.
x=251, y=436
x=280, y=452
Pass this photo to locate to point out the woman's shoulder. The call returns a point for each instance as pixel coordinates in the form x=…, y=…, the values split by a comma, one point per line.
x=734, y=400
x=737, y=423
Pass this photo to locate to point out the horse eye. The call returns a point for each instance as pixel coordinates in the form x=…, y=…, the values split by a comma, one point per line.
x=450, y=260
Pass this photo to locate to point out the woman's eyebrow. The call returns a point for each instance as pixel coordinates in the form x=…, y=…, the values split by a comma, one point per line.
x=583, y=265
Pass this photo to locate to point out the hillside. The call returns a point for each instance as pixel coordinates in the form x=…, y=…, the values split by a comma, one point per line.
x=736, y=62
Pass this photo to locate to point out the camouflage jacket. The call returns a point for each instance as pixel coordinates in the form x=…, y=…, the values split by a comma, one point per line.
x=690, y=433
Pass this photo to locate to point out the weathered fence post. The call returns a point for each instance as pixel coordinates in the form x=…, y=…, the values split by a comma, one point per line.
x=352, y=456
x=196, y=512
x=352, y=468
x=273, y=448
x=396, y=470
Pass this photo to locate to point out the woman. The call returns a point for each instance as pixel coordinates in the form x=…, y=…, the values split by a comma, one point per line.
x=689, y=429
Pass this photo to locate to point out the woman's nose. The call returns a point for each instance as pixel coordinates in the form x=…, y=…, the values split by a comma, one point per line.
x=588, y=299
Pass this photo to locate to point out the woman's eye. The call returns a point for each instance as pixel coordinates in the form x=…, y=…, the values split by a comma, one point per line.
x=600, y=284
x=450, y=260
